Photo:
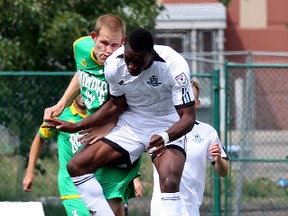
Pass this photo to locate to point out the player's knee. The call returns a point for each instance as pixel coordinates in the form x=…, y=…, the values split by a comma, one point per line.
x=170, y=185
x=71, y=168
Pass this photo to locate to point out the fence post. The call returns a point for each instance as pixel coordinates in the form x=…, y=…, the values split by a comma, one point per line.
x=216, y=89
x=227, y=179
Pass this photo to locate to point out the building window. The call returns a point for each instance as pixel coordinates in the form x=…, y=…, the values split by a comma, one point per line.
x=253, y=14
x=205, y=41
x=178, y=41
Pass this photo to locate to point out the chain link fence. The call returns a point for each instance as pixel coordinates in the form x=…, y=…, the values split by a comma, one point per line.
x=24, y=95
x=253, y=123
x=257, y=135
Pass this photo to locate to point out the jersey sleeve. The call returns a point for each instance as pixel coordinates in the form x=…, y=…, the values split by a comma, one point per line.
x=47, y=133
x=182, y=93
x=76, y=51
x=81, y=50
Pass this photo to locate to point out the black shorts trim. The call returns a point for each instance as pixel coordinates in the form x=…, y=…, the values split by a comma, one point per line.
x=117, y=147
x=171, y=146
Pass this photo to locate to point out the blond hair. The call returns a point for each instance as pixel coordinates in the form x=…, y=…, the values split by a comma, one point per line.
x=110, y=21
x=196, y=86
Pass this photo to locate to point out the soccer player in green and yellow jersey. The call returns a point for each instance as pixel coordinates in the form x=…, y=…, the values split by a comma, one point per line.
x=68, y=145
x=90, y=53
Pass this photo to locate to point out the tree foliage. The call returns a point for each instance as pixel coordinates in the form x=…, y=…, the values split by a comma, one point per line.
x=225, y=2
x=38, y=34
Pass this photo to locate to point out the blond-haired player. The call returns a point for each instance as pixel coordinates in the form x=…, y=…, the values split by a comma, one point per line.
x=202, y=144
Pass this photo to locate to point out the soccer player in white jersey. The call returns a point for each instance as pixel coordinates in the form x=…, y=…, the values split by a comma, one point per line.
x=202, y=143
x=151, y=93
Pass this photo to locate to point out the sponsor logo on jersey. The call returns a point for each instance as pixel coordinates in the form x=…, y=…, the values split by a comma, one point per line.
x=153, y=81
x=182, y=80
x=197, y=138
x=83, y=62
x=75, y=144
x=122, y=83
x=92, y=82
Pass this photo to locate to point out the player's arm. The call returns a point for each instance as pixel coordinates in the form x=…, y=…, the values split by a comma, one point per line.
x=138, y=187
x=69, y=95
x=184, y=124
x=33, y=156
x=221, y=165
x=106, y=113
x=178, y=129
x=92, y=135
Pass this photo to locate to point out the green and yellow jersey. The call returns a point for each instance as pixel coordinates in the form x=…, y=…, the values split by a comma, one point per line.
x=93, y=85
x=68, y=145
x=116, y=182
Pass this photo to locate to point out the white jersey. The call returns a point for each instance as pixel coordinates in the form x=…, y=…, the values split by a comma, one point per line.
x=165, y=84
x=193, y=178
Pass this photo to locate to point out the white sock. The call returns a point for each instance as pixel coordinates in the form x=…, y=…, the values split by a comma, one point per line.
x=92, y=195
x=171, y=205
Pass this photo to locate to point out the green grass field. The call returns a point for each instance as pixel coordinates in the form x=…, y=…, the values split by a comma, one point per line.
x=256, y=192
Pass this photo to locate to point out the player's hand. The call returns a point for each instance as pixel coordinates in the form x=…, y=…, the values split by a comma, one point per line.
x=215, y=151
x=156, y=145
x=138, y=187
x=28, y=182
x=92, y=135
x=64, y=126
x=54, y=111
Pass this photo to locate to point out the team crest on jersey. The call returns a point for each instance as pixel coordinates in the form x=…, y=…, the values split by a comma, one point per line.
x=153, y=81
x=83, y=62
x=182, y=80
x=122, y=83
x=197, y=138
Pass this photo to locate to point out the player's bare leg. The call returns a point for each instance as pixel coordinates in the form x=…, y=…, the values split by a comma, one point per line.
x=82, y=168
x=117, y=206
x=170, y=166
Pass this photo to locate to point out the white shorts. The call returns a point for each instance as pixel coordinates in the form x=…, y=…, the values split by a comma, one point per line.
x=133, y=132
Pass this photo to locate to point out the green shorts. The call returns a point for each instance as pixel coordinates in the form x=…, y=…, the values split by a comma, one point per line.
x=75, y=207
x=118, y=182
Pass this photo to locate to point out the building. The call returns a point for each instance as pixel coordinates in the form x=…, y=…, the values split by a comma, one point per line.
x=192, y=27
x=257, y=25
x=199, y=27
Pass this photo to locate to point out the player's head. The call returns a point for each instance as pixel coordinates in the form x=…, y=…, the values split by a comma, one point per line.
x=79, y=104
x=196, y=91
x=139, y=50
x=108, y=36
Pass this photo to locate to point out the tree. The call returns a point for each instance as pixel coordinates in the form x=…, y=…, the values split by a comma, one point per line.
x=225, y=2
x=37, y=35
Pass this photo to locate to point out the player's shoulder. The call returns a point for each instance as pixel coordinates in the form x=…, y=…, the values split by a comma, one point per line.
x=83, y=42
x=171, y=57
x=202, y=126
x=163, y=48
x=67, y=113
x=166, y=51
x=117, y=54
x=115, y=58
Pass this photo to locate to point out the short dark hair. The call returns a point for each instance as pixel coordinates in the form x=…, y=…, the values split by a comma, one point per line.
x=140, y=39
